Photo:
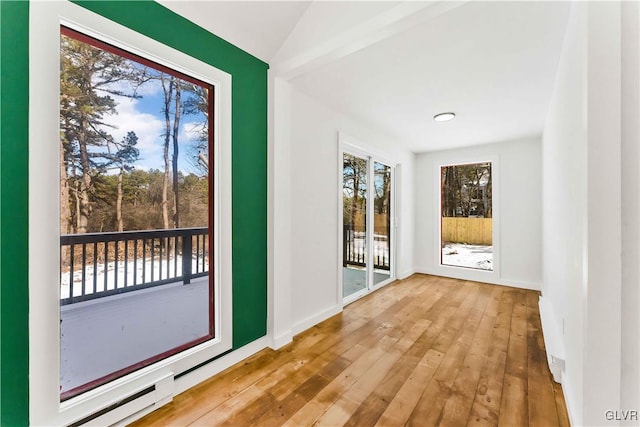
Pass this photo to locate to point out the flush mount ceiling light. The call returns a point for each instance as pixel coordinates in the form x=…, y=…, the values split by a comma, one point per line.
x=444, y=117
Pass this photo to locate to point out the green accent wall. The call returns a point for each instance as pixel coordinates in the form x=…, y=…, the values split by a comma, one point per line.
x=249, y=174
x=14, y=293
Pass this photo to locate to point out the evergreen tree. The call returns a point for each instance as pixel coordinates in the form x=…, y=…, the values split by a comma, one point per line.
x=88, y=78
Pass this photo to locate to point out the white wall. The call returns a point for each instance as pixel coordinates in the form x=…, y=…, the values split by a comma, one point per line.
x=518, y=217
x=590, y=215
x=564, y=186
x=630, y=369
x=279, y=214
x=312, y=141
x=602, y=341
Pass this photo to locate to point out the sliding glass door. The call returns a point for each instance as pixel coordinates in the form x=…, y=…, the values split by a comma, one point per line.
x=354, y=219
x=381, y=222
x=367, y=224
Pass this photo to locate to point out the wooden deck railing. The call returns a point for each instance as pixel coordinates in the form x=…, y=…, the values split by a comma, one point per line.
x=96, y=265
x=353, y=248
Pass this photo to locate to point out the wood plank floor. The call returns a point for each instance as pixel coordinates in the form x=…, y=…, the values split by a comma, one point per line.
x=424, y=351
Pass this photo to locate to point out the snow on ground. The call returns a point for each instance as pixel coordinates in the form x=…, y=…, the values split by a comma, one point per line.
x=132, y=269
x=473, y=256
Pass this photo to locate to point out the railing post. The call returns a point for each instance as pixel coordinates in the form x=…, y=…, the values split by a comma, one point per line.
x=186, y=257
x=345, y=237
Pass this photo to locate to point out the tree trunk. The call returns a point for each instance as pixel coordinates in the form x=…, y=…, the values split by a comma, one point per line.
x=168, y=92
x=204, y=159
x=84, y=203
x=76, y=195
x=488, y=194
x=65, y=209
x=174, y=160
x=449, y=189
x=119, y=202
x=354, y=199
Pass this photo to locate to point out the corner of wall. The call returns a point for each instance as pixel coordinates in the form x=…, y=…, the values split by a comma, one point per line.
x=313, y=320
x=407, y=273
x=277, y=342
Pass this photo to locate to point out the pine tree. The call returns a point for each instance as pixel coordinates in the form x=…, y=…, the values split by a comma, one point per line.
x=88, y=78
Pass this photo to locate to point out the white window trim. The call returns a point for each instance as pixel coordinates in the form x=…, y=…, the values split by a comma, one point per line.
x=466, y=273
x=44, y=330
x=349, y=145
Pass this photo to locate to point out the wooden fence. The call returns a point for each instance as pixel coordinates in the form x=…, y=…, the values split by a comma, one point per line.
x=380, y=223
x=473, y=231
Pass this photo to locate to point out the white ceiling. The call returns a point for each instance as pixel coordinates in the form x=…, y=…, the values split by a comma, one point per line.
x=258, y=27
x=393, y=65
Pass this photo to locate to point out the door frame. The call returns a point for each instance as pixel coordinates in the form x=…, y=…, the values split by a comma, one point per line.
x=349, y=145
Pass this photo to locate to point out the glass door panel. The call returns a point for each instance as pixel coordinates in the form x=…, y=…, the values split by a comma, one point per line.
x=354, y=216
x=381, y=223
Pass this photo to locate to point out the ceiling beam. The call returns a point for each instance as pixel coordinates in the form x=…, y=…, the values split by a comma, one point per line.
x=382, y=26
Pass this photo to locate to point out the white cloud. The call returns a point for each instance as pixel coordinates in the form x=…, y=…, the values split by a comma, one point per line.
x=148, y=128
x=150, y=88
x=191, y=131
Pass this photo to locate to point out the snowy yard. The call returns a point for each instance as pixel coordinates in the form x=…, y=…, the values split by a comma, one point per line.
x=472, y=256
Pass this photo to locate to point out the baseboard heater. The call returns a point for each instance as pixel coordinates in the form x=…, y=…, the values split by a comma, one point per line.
x=552, y=335
x=133, y=406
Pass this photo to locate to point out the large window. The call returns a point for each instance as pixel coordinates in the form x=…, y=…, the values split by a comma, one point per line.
x=136, y=143
x=466, y=238
x=131, y=362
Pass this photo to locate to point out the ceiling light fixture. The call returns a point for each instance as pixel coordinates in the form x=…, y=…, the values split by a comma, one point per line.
x=444, y=117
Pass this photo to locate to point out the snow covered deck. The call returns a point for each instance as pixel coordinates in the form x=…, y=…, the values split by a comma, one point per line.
x=105, y=335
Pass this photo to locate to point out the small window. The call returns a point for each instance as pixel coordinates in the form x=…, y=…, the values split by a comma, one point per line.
x=466, y=238
x=136, y=197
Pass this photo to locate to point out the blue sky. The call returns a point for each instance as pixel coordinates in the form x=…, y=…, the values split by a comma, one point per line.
x=144, y=116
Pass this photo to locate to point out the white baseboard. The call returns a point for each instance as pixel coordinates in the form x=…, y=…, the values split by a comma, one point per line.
x=520, y=285
x=423, y=270
x=567, y=391
x=502, y=282
x=406, y=274
x=203, y=373
x=210, y=369
x=281, y=340
x=305, y=324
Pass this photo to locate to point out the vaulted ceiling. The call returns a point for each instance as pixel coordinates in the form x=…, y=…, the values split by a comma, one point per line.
x=394, y=65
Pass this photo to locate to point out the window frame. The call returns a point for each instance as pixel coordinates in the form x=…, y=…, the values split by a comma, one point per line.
x=45, y=407
x=460, y=272
x=76, y=35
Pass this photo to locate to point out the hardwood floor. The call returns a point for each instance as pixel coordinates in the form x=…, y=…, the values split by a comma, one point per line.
x=424, y=351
